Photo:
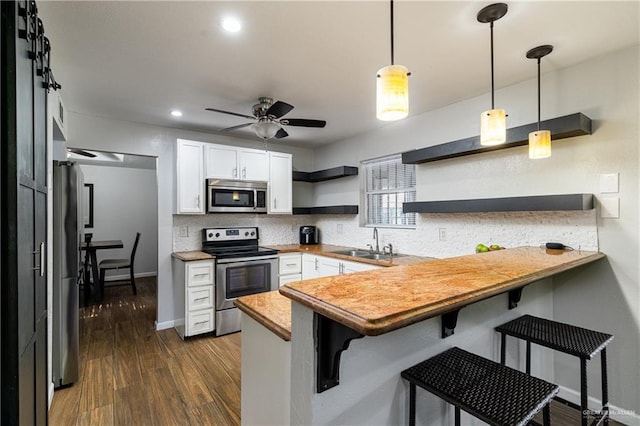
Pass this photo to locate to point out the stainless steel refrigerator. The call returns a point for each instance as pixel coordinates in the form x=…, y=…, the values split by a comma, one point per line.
x=68, y=184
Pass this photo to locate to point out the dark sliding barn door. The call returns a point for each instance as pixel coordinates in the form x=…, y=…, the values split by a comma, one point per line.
x=23, y=291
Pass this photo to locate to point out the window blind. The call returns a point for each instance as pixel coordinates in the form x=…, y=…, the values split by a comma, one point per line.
x=388, y=185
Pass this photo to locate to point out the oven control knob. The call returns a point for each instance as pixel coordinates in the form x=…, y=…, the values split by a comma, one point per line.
x=217, y=234
x=246, y=234
x=253, y=233
x=210, y=234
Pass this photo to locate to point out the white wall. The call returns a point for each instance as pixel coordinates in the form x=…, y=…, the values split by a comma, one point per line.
x=125, y=201
x=87, y=131
x=604, y=296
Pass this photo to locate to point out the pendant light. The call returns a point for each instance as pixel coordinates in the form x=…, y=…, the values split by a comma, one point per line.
x=540, y=140
x=392, y=100
x=493, y=123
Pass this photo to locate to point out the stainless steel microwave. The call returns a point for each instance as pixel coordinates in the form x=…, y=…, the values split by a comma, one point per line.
x=236, y=196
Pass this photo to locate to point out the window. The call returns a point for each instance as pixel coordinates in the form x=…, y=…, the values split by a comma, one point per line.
x=388, y=185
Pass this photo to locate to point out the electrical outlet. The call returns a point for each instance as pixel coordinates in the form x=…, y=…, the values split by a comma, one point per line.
x=184, y=231
x=442, y=234
x=339, y=229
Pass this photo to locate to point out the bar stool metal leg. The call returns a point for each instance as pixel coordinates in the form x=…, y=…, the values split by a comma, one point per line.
x=583, y=391
x=546, y=417
x=605, y=392
x=503, y=348
x=412, y=404
x=457, y=420
x=528, y=357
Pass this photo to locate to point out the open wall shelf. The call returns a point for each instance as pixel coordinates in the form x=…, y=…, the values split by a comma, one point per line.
x=512, y=204
x=327, y=174
x=567, y=126
x=346, y=209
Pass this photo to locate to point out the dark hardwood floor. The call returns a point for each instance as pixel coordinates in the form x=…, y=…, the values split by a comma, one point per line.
x=131, y=374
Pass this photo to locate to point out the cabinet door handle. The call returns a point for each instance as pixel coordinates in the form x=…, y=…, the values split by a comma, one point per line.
x=40, y=267
x=244, y=173
x=235, y=172
x=198, y=201
x=316, y=263
x=275, y=203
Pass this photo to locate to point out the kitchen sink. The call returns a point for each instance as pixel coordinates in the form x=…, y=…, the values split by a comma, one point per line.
x=366, y=254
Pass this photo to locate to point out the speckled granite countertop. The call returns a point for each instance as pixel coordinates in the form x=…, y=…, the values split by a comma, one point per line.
x=271, y=309
x=379, y=301
x=327, y=250
x=190, y=256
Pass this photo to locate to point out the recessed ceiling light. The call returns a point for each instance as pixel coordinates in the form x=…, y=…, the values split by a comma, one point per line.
x=232, y=25
x=176, y=113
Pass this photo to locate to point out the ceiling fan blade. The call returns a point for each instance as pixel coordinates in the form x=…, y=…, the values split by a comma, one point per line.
x=282, y=133
x=83, y=152
x=230, y=113
x=278, y=109
x=303, y=122
x=239, y=126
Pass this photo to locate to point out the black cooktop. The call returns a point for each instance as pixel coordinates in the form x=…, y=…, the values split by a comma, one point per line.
x=227, y=252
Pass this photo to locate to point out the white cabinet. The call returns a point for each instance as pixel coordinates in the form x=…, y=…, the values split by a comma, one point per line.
x=280, y=183
x=314, y=266
x=310, y=264
x=230, y=162
x=194, y=296
x=190, y=195
x=290, y=268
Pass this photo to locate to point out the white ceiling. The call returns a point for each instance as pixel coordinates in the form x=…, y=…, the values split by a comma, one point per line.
x=138, y=60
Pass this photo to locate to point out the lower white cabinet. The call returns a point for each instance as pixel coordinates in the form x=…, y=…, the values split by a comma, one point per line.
x=194, y=296
x=314, y=266
x=289, y=268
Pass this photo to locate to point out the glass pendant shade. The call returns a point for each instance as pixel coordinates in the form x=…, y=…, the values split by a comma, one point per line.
x=392, y=93
x=265, y=129
x=493, y=127
x=539, y=144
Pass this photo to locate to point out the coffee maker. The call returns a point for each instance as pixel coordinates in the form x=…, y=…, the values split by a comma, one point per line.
x=309, y=235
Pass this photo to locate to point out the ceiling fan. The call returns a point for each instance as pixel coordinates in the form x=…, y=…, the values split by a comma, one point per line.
x=267, y=122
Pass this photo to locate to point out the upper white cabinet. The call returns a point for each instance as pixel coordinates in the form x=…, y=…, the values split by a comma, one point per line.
x=230, y=162
x=190, y=197
x=280, y=183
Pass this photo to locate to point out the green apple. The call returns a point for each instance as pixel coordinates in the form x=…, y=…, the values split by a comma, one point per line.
x=481, y=248
x=494, y=247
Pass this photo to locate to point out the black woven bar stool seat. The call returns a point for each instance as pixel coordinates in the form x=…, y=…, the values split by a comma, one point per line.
x=491, y=392
x=569, y=339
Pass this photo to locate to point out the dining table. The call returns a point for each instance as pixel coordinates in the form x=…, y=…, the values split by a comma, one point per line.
x=93, y=274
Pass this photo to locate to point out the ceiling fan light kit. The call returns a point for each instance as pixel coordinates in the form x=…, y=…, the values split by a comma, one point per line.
x=540, y=140
x=392, y=88
x=266, y=129
x=493, y=123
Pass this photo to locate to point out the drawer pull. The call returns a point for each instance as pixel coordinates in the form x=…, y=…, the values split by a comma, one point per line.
x=200, y=298
x=291, y=264
x=201, y=322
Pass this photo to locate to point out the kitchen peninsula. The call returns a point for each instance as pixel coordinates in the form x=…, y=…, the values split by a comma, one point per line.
x=392, y=304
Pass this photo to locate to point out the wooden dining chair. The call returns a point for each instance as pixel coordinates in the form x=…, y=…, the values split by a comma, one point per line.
x=108, y=264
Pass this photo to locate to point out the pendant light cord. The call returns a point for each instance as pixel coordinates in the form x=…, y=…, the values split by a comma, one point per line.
x=492, y=88
x=391, y=32
x=538, y=94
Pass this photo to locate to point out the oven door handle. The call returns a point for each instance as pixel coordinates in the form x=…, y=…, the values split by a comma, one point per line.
x=246, y=259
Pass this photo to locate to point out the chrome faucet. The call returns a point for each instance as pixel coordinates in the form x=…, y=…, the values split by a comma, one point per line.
x=375, y=236
x=390, y=247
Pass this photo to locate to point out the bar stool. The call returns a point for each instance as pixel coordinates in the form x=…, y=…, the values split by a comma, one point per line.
x=569, y=339
x=494, y=393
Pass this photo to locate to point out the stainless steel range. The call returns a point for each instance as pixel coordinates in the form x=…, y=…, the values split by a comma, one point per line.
x=242, y=267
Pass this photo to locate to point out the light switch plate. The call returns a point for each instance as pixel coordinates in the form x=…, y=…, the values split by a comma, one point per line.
x=610, y=208
x=609, y=183
x=184, y=231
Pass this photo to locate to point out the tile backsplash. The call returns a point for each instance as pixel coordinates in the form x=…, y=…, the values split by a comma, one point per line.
x=462, y=231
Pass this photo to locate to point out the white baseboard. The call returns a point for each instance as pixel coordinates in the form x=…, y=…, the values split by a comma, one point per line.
x=126, y=276
x=627, y=417
x=164, y=325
